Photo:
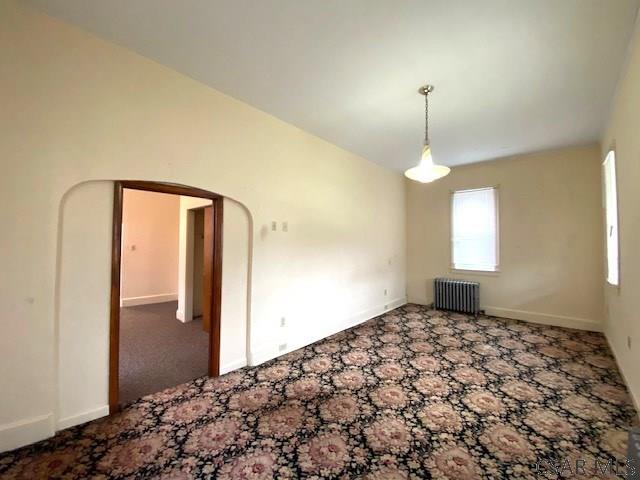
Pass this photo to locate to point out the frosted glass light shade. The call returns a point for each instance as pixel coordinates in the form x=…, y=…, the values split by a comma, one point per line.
x=427, y=171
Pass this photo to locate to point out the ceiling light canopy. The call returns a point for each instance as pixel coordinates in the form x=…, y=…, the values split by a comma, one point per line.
x=426, y=171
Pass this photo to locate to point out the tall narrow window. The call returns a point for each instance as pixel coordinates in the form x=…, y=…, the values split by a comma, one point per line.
x=611, y=217
x=474, y=229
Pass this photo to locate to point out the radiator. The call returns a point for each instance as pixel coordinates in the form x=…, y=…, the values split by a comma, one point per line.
x=456, y=295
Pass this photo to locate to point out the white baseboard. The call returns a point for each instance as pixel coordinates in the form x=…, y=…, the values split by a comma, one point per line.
x=148, y=299
x=25, y=432
x=634, y=400
x=544, y=318
x=263, y=354
x=82, y=418
x=231, y=366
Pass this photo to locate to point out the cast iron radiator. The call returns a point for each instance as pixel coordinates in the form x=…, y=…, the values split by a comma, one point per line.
x=456, y=295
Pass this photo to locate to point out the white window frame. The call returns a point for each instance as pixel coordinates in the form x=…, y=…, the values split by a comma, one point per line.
x=610, y=159
x=495, y=271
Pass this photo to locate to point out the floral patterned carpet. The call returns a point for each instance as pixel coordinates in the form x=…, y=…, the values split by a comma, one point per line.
x=412, y=394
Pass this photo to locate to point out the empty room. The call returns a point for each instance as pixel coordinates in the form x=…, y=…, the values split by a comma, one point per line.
x=320, y=239
x=164, y=316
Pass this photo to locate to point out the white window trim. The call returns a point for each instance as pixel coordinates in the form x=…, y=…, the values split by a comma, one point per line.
x=452, y=267
x=610, y=150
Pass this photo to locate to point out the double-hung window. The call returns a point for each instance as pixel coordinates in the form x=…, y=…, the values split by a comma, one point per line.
x=474, y=229
x=611, y=217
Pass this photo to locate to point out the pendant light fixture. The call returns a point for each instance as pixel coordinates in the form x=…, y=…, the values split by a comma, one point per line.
x=426, y=171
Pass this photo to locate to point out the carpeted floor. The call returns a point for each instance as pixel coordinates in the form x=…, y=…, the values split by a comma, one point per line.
x=157, y=351
x=411, y=394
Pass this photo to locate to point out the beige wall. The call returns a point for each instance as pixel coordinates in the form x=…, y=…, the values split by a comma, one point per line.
x=150, y=223
x=550, y=236
x=81, y=311
x=623, y=133
x=77, y=113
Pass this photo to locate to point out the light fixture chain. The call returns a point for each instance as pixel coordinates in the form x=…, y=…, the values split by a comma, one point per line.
x=426, y=118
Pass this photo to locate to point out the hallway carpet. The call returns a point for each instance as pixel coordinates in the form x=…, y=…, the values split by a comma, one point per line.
x=157, y=351
x=411, y=394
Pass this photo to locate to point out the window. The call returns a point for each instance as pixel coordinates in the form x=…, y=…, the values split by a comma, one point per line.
x=474, y=229
x=611, y=217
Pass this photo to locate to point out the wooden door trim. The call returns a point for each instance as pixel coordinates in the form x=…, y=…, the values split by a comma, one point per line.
x=114, y=314
x=116, y=257
x=216, y=297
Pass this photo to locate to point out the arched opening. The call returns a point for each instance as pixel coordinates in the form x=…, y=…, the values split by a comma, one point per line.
x=82, y=298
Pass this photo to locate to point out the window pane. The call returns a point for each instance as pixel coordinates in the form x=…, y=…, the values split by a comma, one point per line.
x=474, y=235
x=611, y=217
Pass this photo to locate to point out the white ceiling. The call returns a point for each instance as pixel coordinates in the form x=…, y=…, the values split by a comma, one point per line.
x=511, y=76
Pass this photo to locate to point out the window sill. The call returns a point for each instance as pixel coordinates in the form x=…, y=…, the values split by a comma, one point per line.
x=612, y=286
x=488, y=273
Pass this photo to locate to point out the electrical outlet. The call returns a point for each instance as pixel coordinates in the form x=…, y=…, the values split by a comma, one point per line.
x=282, y=347
x=274, y=226
x=385, y=292
x=386, y=307
x=285, y=226
x=629, y=342
x=283, y=322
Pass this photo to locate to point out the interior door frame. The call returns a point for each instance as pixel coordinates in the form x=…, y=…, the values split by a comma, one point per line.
x=116, y=258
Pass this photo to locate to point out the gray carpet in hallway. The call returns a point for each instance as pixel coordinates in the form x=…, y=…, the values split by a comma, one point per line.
x=157, y=351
